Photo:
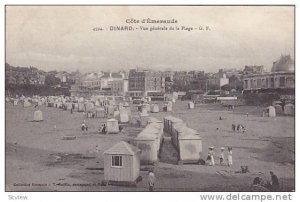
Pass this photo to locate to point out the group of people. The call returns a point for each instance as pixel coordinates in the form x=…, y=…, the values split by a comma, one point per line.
x=238, y=128
x=272, y=185
x=102, y=129
x=211, y=156
x=84, y=126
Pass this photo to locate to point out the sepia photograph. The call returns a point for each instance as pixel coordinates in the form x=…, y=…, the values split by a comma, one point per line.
x=153, y=98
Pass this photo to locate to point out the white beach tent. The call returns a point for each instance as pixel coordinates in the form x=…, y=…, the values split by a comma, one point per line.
x=100, y=112
x=178, y=128
x=278, y=109
x=38, y=115
x=169, y=106
x=147, y=143
x=15, y=102
x=271, y=111
x=110, y=110
x=97, y=103
x=147, y=107
x=116, y=114
x=191, y=105
x=144, y=117
x=89, y=106
x=289, y=109
x=121, y=105
x=124, y=116
x=189, y=146
x=112, y=126
x=81, y=107
x=155, y=108
x=69, y=105
x=26, y=104
x=171, y=122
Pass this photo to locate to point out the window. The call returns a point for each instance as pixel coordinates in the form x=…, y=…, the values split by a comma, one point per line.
x=282, y=82
x=116, y=161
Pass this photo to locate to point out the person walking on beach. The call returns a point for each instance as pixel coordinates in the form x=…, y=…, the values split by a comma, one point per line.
x=222, y=156
x=233, y=127
x=210, y=156
x=151, y=180
x=229, y=156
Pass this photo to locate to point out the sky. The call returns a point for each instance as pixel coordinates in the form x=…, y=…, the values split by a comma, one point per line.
x=62, y=37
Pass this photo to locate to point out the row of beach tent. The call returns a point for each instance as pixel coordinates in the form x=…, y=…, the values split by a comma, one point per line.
x=149, y=141
x=187, y=141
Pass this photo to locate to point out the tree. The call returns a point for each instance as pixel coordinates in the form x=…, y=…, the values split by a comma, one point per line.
x=51, y=80
x=235, y=83
x=225, y=87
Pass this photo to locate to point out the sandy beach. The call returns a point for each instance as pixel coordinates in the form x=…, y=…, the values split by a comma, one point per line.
x=38, y=159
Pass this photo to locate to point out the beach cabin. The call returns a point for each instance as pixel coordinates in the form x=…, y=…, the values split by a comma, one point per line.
x=271, y=111
x=166, y=123
x=59, y=104
x=169, y=106
x=69, y=106
x=147, y=107
x=89, y=106
x=110, y=110
x=152, y=119
x=38, y=116
x=144, y=118
x=189, y=146
x=112, y=126
x=147, y=143
x=26, y=104
x=154, y=130
x=171, y=123
x=81, y=100
x=81, y=107
x=116, y=114
x=75, y=106
x=191, y=105
x=289, y=109
x=100, y=112
x=278, y=109
x=39, y=103
x=122, y=164
x=155, y=108
x=16, y=102
x=97, y=103
x=139, y=107
x=124, y=117
x=121, y=105
x=178, y=128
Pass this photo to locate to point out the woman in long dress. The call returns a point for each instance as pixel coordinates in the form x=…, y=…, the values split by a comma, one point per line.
x=229, y=156
x=210, y=157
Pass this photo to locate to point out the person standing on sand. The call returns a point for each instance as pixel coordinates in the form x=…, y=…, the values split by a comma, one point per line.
x=222, y=156
x=210, y=156
x=229, y=156
x=233, y=127
x=151, y=180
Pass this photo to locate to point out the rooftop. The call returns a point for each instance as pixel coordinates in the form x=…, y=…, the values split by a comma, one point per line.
x=284, y=64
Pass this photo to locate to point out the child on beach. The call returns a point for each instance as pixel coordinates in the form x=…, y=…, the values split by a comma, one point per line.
x=229, y=156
